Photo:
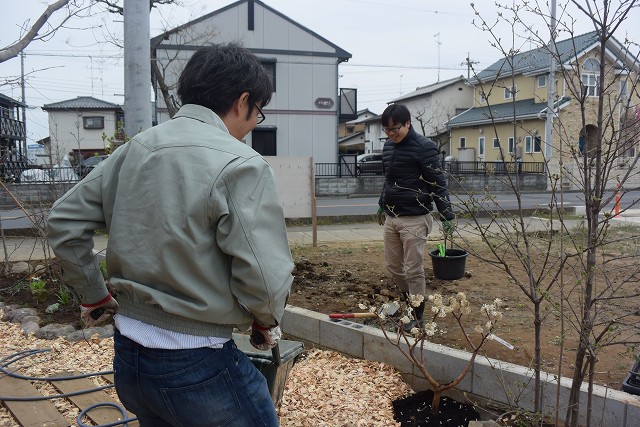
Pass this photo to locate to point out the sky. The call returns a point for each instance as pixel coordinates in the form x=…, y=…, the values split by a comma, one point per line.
x=396, y=46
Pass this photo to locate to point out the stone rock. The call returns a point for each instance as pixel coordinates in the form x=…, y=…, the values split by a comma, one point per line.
x=53, y=331
x=27, y=319
x=52, y=308
x=489, y=423
x=21, y=267
x=30, y=327
x=16, y=315
x=85, y=334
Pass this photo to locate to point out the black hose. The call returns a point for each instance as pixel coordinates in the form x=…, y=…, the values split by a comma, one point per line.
x=8, y=360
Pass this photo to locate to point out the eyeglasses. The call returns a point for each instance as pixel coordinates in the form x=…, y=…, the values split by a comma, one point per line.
x=261, y=118
x=393, y=129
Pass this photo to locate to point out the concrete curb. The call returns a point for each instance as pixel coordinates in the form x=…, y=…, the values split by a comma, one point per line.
x=489, y=379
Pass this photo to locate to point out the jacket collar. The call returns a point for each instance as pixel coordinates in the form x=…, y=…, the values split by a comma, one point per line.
x=200, y=113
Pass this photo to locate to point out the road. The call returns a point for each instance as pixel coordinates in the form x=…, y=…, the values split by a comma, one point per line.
x=332, y=206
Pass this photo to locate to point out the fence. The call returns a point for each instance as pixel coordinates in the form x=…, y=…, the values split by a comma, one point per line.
x=350, y=169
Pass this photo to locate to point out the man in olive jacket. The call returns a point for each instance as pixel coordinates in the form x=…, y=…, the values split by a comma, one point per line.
x=197, y=246
x=413, y=182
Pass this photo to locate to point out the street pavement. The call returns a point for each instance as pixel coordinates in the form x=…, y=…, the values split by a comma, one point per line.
x=29, y=248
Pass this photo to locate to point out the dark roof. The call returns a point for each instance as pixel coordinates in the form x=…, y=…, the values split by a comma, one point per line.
x=537, y=61
x=527, y=108
x=6, y=100
x=342, y=54
x=82, y=103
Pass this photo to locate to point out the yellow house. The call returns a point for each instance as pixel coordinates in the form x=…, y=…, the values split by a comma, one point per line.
x=508, y=121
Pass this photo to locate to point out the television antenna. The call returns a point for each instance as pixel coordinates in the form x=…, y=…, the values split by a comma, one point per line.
x=437, y=36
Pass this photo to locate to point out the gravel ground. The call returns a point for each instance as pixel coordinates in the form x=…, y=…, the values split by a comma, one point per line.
x=324, y=388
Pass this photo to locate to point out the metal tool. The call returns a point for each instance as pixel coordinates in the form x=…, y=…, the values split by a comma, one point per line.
x=388, y=309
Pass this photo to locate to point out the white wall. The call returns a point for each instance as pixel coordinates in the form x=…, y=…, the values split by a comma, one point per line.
x=67, y=133
x=303, y=129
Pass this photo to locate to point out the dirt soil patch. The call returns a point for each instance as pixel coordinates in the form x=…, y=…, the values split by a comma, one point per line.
x=336, y=278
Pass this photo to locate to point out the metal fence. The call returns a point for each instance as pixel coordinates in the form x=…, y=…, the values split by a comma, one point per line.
x=349, y=169
x=21, y=172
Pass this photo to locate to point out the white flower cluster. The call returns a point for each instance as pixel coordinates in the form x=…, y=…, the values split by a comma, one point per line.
x=491, y=310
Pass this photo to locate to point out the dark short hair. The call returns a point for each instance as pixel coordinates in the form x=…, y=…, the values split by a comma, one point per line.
x=395, y=113
x=215, y=76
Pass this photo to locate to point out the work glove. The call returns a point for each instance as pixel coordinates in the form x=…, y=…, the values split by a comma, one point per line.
x=381, y=216
x=448, y=227
x=264, y=337
x=100, y=312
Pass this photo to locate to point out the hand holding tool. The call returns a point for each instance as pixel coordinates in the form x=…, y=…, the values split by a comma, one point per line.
x=100, y=312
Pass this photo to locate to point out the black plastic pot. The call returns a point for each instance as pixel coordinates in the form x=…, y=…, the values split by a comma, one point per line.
x=451, y=266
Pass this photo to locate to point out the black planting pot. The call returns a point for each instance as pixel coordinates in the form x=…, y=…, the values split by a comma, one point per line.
x=451, y=266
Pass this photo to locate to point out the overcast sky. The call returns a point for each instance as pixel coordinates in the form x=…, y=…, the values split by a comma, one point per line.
x=396, y=45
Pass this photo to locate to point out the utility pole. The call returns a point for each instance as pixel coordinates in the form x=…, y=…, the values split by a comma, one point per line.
x=24, y=107
x=137, y=67
x=469, y=63
x=548, y=134
x=437, y=36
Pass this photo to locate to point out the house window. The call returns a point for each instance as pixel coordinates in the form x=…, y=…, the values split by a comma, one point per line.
x=590, y=77
x=537, y=144
x=264, y=141
x=483, y=98
x=512, y=148
x=271, y=70
x=93, y=122
x=510, y=92
x=528, y=144
x=624, y=92
x=481, y=146
x=496, y=143
x=542, y=81
x=463, y=142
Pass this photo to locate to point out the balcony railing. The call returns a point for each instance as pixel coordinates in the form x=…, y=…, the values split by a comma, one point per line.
x=12, y=128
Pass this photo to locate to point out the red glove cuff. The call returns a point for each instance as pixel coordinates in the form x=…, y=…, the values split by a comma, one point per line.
x=260, y=327
x=95, y=304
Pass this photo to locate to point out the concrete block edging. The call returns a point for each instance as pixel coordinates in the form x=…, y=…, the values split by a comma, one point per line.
x=491, y=379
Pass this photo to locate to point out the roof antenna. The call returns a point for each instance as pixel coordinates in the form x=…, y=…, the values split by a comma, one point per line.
x=437, y=36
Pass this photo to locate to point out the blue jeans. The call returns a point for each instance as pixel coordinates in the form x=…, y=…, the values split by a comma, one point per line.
x=197, y=387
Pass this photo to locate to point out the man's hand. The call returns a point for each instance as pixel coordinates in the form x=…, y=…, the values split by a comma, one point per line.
x=100, y=312
x=448, y=227
x=264, y=337
x=381, y=216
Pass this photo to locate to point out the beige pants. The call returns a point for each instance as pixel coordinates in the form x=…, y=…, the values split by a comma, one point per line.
x=404, y=240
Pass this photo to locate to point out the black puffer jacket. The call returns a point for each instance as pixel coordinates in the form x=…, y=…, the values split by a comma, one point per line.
x=413, y=178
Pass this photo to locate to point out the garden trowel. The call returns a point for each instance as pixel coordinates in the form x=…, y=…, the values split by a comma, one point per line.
x=388, y=309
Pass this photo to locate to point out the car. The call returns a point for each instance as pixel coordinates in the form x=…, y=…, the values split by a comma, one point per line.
x=369, y=164
x=89, y=163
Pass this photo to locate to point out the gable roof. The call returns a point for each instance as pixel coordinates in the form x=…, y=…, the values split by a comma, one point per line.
x=537, y=61
x=340, y=53
x=82, y=103
x=424, y=90
x=522, y=110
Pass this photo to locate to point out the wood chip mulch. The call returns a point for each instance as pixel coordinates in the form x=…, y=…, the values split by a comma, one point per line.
x=324, y=388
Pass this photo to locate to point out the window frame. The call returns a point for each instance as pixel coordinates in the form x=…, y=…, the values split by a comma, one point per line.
x=481, y=146
x=528, y=144
x=511, y=144
x=544, y=84
x=270, y=66
x=510, y=92
x=462, y=142
x=496, y=143
x=87, y=122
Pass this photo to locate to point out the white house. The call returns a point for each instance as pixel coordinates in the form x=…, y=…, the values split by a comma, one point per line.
x=77, y=127
x=434, y=105
x=302, y=118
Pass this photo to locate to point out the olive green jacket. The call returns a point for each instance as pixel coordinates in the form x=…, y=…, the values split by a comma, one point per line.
x=197, y=240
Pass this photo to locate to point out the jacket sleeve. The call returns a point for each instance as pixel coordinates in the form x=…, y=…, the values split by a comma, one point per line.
x=433, y=174
x=252, y=231
x=70, y=229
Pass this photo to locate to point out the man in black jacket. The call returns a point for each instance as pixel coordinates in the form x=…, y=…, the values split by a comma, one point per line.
x=413, y=182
